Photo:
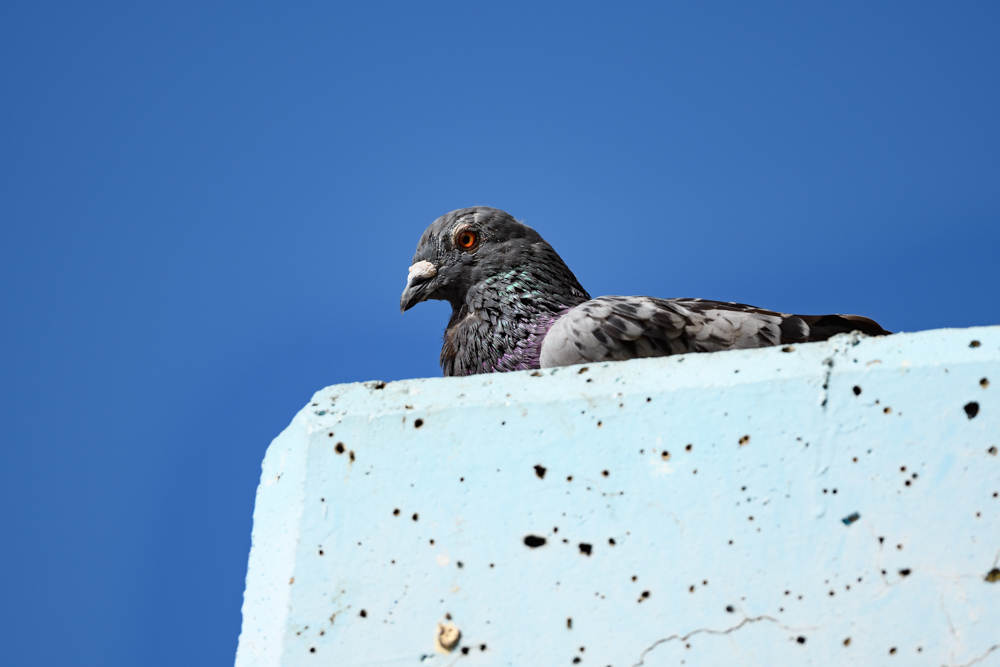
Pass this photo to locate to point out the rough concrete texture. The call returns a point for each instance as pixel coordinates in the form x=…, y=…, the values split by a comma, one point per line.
x=829, y=504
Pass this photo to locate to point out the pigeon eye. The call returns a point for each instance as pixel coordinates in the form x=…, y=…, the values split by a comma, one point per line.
x=466, y=239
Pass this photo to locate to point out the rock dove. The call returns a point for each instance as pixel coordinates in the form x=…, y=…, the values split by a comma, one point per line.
x=516, y=305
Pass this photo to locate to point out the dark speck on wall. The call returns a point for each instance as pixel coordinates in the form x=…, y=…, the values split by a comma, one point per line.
x=585, y=548
x=971, y=409
x=534, y=541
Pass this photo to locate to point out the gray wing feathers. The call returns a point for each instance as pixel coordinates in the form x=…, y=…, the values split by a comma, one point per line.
x=613, y=328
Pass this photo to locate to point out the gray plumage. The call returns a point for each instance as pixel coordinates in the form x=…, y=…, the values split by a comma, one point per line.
x=516, y=305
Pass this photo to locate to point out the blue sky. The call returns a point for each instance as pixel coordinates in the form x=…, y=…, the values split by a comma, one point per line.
x=207, y=212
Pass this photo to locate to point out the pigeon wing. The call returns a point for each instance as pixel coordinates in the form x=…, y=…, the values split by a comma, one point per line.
x=614, y=328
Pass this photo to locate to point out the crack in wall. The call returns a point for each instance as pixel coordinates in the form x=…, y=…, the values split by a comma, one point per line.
x=827, y=372
x=995, y=647
x=709, y=631
x=852, y=340
x=951, y=626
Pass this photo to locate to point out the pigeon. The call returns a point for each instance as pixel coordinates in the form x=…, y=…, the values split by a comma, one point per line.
x=517, y=306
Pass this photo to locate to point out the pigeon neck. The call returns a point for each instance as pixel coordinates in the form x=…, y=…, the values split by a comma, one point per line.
x=501, y=322
x=522, y=293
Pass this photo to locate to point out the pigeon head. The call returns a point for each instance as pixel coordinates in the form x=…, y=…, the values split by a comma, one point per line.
x=464, y=250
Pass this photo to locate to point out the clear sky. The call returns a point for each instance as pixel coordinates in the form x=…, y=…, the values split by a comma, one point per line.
x=207, y=211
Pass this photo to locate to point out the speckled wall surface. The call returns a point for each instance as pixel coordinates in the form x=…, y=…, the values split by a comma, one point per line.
x=828, y=504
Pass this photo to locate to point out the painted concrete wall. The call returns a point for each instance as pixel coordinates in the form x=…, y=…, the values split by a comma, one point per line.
x=828, y=504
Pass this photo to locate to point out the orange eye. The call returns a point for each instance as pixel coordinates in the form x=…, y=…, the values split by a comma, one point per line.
x=466, y=239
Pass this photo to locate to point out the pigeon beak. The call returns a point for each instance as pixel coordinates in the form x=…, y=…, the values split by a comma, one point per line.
x=416, y=285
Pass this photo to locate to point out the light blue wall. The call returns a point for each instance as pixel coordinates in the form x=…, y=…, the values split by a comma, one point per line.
x=726, y=482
